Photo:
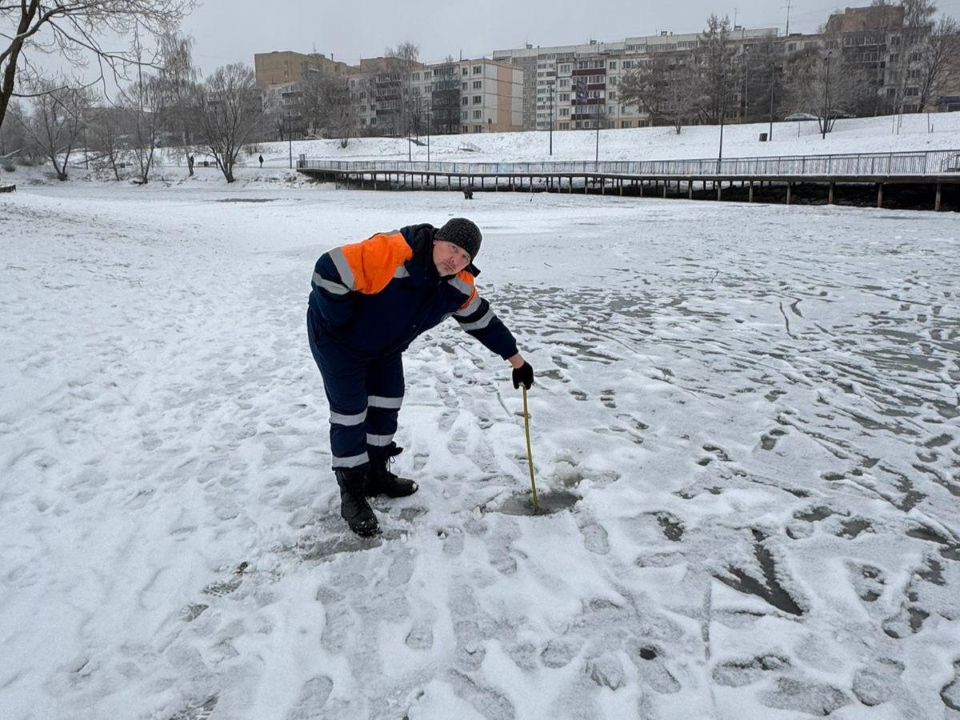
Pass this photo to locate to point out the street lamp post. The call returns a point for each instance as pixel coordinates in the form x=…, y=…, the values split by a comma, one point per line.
x=770, y=133
x=553, y=89
x=723, y=111
x=596, y=160
x=746, y=83
x=826, y=98
x=290, y=138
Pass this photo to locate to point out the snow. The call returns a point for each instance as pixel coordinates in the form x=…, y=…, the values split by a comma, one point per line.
x=745, y=433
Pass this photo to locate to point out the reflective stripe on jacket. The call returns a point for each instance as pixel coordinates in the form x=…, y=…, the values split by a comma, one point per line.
x=376, y=296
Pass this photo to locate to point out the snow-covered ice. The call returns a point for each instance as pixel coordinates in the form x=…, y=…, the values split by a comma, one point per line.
x=746, y=431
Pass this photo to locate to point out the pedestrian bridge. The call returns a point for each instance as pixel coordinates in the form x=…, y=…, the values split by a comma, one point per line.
x=924, y=173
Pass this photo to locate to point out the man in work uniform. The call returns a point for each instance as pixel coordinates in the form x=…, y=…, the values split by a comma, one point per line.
x=369, y=300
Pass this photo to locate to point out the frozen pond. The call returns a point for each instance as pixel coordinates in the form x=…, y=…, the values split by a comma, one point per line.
x=746, y=429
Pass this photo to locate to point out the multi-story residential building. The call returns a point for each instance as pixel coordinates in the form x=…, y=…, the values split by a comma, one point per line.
x=281, y=74
x=468, y=96
x=576, y=86
x=491, y=97
x=393, y=96
x=287, y=68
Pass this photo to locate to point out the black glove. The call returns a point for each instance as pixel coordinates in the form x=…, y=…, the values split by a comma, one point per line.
x=523, y=375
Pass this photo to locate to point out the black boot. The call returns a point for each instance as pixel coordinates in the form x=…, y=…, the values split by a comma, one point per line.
x=380, y=481
x=354, y=507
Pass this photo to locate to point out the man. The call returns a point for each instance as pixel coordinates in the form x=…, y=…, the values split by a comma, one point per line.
x=368, y=302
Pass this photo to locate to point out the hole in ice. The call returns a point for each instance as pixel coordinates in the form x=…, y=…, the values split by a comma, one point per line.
x=246, y=200
x=549, y=502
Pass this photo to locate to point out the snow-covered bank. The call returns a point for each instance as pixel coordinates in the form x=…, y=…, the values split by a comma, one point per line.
x=754, y=408
x=862, y=135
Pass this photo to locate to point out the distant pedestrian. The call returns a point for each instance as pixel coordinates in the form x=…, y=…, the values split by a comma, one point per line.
x=261, y=162
x=190, y=164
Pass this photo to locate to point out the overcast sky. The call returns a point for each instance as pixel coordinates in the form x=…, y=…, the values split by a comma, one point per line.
x=228, y=31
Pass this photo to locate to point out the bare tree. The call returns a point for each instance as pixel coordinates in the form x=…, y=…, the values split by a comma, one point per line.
x=144, y=105
x=76, y=30
x=665, y=88
x=906, y=70
x=818, y=82
x=13, y=139
x=939, y=56
x=110, y=128
x=147, y=106
x=328, y=105
x=56, y=120
x=446, y=98
x=175, y=88
x=718, y=76
x=397, y=83
x=231, y=112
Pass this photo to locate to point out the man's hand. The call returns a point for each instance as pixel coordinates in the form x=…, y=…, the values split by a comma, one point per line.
x=523, y=375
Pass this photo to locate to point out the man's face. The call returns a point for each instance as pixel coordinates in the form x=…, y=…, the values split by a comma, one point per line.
x=449, y=258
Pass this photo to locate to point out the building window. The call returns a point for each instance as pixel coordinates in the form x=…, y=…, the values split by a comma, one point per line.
x=477, y=69
x=465, y=71
x=565, y=69
x=477, y=114
x=564, y=126
x=477, y=99
x=564, y=112
x=564, y=97
x=613, y=64
x=478, y=128
x=477, y=84
x=626, y=123
x=416, y=76
x=465, y=101
x=426, y=75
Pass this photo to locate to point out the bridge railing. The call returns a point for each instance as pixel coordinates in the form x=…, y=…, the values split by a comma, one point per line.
x=932, y=162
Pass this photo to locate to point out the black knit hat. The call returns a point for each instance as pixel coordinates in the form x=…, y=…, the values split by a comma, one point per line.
x=462, y=233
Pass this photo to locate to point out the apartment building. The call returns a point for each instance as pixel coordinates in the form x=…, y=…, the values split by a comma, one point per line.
x=491, y=97
x=287, y=68
x=575, y=87
x=466, y=96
